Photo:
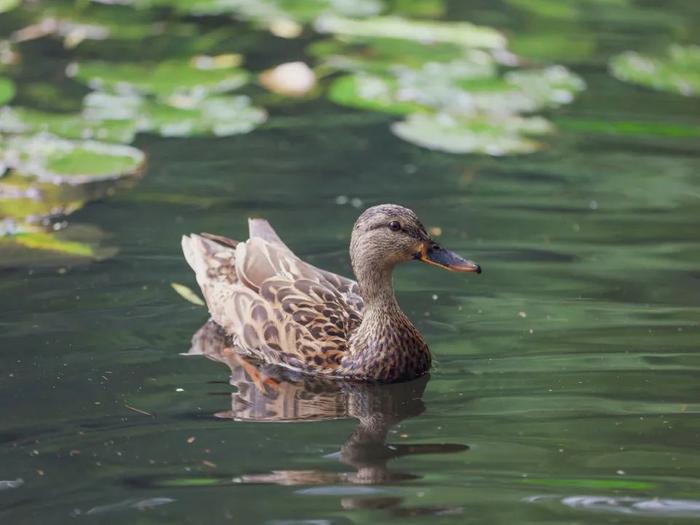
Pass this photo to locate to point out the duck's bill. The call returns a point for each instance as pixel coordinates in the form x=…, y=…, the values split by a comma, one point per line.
x=439, y=256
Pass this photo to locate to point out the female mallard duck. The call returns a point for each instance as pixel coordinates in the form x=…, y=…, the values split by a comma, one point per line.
x=283, y=311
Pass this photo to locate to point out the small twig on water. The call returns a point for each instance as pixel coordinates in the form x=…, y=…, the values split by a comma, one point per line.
x=138, y=410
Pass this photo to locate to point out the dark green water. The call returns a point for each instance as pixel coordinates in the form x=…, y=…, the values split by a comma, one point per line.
x=566, y=381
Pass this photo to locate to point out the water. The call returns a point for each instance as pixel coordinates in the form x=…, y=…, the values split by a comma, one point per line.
x=565, y=385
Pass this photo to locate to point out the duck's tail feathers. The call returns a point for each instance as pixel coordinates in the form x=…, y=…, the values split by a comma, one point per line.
x=263, y=229
x=213, y=262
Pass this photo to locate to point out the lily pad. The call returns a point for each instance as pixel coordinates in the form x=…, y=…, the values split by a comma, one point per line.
x=268, y=12
x=370, y=92
x=7, y=90
x=218, y=116
x=71, y=126
x=678, y=72
x=8, y=5
x=460, y=33
x=55, y=160
x=491, y=135
x=169, y=81
x=90, y=22
x=458, y=88
x=379, y=55
x=26, y=204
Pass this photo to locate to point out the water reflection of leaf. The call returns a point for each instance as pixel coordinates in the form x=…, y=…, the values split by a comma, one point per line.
x=460, y=33
x=75, y=244
x=678, y=72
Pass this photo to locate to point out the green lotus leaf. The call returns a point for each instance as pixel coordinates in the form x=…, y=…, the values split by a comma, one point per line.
x=379, y=55
x=422, y=9
x=370, y=92
x=266, y=11
x=218, y=116
x=8, y=5
x=169, y=81
x=460, y=33
x=491, y=135
x=26, y=203
x=99, y=105
x=547, y=88
x=678, y=72
x=458, y=88
x=92, y=21
x=572, y=45
x=56, y=160
x=7, y=90
x=71, y=126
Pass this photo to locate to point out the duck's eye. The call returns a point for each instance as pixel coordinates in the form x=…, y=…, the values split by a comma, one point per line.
x=394, y=226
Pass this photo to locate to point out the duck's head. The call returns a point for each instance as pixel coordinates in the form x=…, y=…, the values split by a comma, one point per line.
x=388, y=234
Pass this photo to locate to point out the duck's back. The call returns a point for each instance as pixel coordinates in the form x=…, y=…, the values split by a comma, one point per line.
x=276, y=307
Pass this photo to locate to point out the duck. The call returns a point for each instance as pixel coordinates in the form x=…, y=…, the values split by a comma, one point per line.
x=280, y=310
x=268, y=393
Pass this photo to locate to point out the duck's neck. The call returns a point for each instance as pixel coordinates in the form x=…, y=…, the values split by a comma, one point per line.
x=386, y=346
x=377, y=289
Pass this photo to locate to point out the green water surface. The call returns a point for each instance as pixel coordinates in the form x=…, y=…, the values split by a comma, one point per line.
x=566, y=384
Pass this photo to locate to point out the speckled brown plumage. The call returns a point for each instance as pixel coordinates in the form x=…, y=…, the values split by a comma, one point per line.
x=281, y=310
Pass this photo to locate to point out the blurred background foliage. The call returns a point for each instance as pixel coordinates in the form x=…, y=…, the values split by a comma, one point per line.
x=112, y=69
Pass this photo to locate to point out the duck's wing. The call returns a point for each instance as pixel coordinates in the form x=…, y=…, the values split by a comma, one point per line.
x=346, y=287
x=277, y=307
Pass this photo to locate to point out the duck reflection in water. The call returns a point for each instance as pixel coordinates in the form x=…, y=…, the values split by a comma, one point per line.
x=266, y=393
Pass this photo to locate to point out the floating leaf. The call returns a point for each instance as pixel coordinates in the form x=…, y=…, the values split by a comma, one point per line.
x=187, y=294
x=422, y=9
x=220, y=116
x=71, y=126
x=679, y=72
x=7, y=90
x=380, y=55
x=51, y=159
x=461, y=33
x=26, y=203
x=458, y=88
x=370, y=92
x=8, y=5
x=491, y=135
x=266, y=12
x=169, y=81
x=90, y=22
x=572, y=45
